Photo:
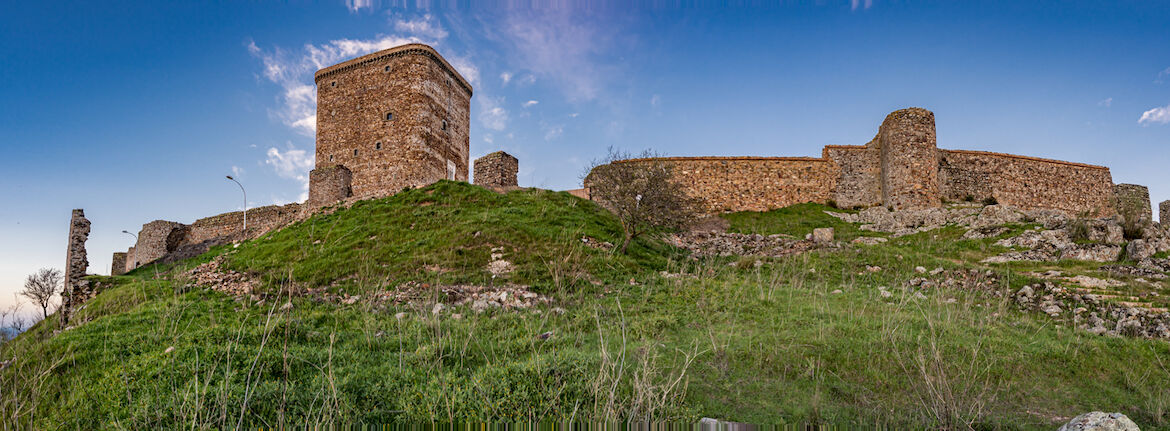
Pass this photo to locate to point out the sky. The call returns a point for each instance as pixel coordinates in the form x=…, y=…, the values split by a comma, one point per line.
x=137, y=111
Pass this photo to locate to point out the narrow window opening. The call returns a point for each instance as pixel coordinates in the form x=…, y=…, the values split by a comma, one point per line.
x=378, y=145
x=444, y=124
x=331, y=157
x=333, y=84
x=355, y=152
x=386, y=69
x=389, y=116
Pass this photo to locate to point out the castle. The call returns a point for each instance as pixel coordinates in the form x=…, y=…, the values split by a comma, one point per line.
x=386, y=121
x=400, y=118
x=901, y=168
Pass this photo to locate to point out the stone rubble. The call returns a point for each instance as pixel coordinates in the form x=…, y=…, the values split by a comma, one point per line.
x=702, y=244
x=1100, y=421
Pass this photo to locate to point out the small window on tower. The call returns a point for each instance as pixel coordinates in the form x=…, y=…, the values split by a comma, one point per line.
x=389, y=116
x=331, y=157
x=378, y=145
x=333, y=84
x=386, y=69
x=444, y=124
x=355, y=152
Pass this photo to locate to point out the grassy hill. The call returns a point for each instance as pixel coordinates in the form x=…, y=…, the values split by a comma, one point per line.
x=653, y=335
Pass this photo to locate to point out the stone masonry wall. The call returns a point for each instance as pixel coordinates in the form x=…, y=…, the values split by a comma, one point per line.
x=1164, y=213
x=158, y=238
x=859, y=175
x=131, y=260
x=328, y=185
x=909, y=162
x=118, y=264
x=1132, y=199
x=1026, y=182
x=396, y=118
x=497, y=169
x=753, y=183
x=76, y=263
x=260, y=221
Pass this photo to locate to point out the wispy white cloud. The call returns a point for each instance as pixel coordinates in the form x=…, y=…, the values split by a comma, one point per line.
x=425, y=27
x=357, y=5
x=1162, y=76
x=505, y=78
x=561, y=46
x=293, y=164
x=553, y=132
x=1106, y=102
x=1159, y=115
x=655, y=100
x=487, y=137
x=237, y=171
x=856, y=4
x=530, y=103
x=492, y=115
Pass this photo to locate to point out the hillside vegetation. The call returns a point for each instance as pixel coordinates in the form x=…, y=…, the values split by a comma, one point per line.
x=651, y=335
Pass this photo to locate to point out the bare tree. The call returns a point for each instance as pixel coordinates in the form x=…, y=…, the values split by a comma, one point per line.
x=41, y=286
x=641, y=193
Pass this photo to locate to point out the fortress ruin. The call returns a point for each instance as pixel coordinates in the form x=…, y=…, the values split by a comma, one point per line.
x=900, y=168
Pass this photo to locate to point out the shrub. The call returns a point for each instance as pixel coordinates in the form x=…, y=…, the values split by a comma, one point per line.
x=643, y=194
x=990, y=200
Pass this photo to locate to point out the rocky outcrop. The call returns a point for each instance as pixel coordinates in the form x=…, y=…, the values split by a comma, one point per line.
x=1100, y=421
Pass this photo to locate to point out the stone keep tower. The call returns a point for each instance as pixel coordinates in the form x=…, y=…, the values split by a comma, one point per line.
x=909, y=161
x=396, y=118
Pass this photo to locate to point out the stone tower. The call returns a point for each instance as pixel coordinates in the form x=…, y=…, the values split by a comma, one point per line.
x=909, y=160
x=396, y=118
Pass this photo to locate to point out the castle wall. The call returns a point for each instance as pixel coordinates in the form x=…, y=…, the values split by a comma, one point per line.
x=158, y=238
x=1164, y=213
x=131, y=259
x=1025, y=182
x=497, y=169
x=909, y=163
x=260, y=221
x=426, y=139
x=859, y=175
x=752, y=183
x=76, y=261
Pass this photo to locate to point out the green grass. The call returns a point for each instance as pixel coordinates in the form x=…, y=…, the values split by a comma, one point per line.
x=796, y=220
x=764, y=344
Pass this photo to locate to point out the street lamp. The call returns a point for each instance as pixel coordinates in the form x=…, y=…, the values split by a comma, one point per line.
x=131, y=234
x=245, y=201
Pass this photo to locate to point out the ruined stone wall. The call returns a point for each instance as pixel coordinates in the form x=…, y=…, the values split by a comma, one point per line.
x=260, y=221
x=752, y=183
x=76, y=263
x=909, y=163
x=1133, y=200
x=396, y=118
x=158, y=238
x=1164, y=213
x=328, y=185
x=1026, y=182
x=497, y=169
x=859, y=175
x=118, y=264
x=131, y=259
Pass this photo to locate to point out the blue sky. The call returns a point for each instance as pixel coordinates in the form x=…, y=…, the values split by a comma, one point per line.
x=136, y=111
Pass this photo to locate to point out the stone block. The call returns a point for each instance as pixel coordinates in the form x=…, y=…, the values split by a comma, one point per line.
x=822, y=235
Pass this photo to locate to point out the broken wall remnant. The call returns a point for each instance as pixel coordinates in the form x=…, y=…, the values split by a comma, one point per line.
x=118, y=263
x=1132, y=200
x=497, y=169
x=329, y=184
x=1164, y=213
x=76, y=263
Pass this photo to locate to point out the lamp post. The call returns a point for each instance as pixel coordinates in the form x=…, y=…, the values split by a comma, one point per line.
x=245, y=201
x=131, y=234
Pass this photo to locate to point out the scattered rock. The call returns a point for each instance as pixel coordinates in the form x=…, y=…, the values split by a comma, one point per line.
x=885, y=293
x=169, y=350
x=702, y=244
x=400, y=315
x=869, y=240
x=822, y=235
x=985, y=232
x=920, y=270
x=287, y=306
x=545, y=335
x=836, y=292
x=937, y=271
x=438, y=308
x=873, y=268
x=1139, y=249
x=1100, y=421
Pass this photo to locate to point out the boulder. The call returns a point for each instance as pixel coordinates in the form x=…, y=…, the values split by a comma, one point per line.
x=1092, y=252
x=822, y=235
x=1139, y=249
x=1100, y=421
